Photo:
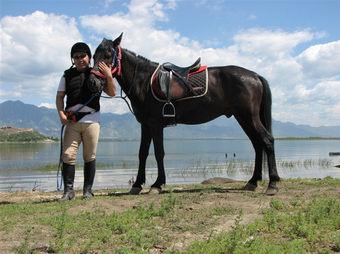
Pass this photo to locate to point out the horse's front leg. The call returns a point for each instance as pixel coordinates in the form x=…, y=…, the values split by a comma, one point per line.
x=157, y=137
x=143, y=155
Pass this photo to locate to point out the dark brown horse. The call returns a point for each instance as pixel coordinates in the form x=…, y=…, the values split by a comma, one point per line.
x=233, y=91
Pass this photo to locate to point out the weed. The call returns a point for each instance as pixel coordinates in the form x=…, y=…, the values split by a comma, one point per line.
x=60, y=223
x=24, y=247
x=277, y=204
x=305, y=225
x=222, y=210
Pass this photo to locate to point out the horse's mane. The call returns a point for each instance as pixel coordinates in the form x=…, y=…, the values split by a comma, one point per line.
x=141, y=89
x=139, y=56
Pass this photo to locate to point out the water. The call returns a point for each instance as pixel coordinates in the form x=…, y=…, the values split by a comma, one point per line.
x=186, y=161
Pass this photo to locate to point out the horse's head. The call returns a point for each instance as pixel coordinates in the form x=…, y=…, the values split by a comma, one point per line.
x=108, y=52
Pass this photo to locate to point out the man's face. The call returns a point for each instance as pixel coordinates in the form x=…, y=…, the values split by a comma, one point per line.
x=81, y=60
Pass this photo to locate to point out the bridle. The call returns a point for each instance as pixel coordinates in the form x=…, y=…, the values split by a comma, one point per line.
x=116, y=64
x=117, y=69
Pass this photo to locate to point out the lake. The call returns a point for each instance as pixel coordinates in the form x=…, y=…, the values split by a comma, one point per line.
x=186, y=161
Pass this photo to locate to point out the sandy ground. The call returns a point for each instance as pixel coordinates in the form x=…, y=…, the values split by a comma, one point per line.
x=199, y=197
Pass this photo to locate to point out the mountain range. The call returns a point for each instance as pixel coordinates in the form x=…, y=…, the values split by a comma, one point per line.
x=46, y=121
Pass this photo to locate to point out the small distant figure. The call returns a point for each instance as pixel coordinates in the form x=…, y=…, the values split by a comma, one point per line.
x=234, y=154
x=35, y=186
x=226, y=156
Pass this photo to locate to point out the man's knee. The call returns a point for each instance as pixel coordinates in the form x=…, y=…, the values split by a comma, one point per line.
x=69, y=158
x=89, y=157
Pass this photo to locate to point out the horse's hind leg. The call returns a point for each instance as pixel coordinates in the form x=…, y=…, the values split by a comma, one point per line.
x=158, y=142
x=261, y=140
x=268, y=145
x=272, y=170
x=257, y=174
x=251, y=133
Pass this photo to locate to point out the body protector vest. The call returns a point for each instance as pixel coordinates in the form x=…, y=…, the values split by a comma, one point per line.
x=77, y=91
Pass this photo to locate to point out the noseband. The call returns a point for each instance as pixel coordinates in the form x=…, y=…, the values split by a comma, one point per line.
x=115, y=69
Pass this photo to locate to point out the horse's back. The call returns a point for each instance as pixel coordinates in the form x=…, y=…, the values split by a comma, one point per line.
x=232, y=71
x=233, y=80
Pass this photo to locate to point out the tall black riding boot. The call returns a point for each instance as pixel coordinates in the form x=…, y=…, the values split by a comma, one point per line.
x=89, y=173
x=68, y=173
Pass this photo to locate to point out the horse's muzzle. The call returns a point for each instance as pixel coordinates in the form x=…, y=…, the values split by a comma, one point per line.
x=94, y=84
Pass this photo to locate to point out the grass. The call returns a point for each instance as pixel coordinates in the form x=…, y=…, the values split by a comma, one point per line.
x=233, y=167
x=303, y=218
x=303, y=227
x=206, y=169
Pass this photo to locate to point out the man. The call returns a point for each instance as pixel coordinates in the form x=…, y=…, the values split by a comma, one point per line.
x=81, y=117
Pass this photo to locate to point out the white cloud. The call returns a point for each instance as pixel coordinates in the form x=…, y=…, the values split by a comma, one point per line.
x=141, y=34
x=305, y=87
x=35, y=51
x=270, y=43
x=36, y=44
x=321, y=61
x=47, y=105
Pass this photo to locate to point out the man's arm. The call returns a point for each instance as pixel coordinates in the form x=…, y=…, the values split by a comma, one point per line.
x=59, y=101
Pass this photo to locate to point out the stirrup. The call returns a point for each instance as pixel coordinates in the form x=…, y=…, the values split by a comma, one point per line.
x=168, y=110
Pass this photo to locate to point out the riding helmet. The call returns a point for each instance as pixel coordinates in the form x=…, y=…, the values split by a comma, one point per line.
x=81, y=47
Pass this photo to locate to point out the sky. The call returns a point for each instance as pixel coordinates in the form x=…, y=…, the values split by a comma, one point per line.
x=295, y=45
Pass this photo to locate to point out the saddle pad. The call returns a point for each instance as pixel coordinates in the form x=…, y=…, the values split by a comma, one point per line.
x=197, y=80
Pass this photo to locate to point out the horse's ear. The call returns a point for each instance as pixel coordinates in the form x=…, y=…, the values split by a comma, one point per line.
x=117, y=41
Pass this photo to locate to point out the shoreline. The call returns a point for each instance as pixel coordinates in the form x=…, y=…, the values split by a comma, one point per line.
x=57, y=140
x=48, y=196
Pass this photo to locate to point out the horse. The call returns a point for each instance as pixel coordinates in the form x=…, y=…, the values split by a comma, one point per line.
x=232, y=91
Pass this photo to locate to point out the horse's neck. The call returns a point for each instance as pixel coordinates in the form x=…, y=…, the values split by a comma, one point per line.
x=132, y=82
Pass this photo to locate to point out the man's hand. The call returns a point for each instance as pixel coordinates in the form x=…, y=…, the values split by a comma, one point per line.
x=105, y=69
x=63, y=118
x=109, y=87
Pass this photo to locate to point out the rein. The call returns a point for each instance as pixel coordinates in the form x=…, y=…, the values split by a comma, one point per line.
x=126, y=94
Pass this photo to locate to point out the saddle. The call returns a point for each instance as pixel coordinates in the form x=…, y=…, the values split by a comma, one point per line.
x=171, y=83
x=182, y=73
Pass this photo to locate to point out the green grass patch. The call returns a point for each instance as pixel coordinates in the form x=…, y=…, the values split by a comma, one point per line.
x=307, y=227
x=203, y=219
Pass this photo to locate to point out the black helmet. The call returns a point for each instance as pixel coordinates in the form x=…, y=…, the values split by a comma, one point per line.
x=81, y=47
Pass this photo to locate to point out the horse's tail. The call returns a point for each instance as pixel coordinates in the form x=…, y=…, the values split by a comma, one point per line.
x=266, y=106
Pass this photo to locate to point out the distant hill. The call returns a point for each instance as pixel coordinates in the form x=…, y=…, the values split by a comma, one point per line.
x=46, y=121
x=21, y=115
x=12, y=134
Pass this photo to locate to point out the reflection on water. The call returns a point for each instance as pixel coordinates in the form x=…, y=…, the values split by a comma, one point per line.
x=186, y=161
x=24, y=156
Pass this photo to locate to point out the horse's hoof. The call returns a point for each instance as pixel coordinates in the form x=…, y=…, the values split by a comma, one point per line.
x=135, y=190
x=155, y=190
x=250, y=187
x=271, y=191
